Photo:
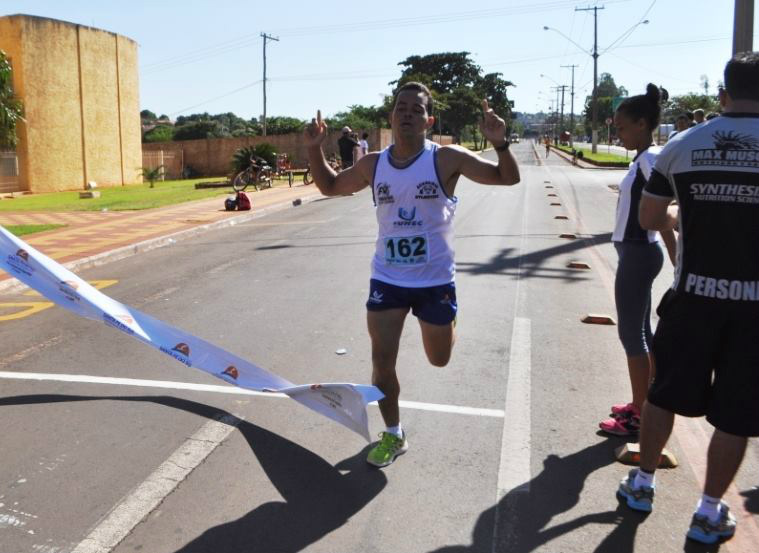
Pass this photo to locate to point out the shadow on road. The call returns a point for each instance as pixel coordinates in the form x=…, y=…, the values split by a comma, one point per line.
x=318, y=498
x=519, y=522
x=752, y=500
x=509, y=262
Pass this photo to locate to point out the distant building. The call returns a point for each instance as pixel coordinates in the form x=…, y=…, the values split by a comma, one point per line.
x=80, y=91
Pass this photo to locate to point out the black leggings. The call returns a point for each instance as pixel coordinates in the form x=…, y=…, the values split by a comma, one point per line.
x=639, y=263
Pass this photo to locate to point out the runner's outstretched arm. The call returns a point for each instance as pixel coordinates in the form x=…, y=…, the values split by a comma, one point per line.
x=330, y=182
x=505, y=171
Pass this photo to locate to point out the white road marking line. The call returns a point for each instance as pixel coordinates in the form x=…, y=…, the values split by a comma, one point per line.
x=172, y=385
x=148, y=495
x=514, y=469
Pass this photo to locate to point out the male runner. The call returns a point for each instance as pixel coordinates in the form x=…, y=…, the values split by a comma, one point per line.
x=413, y=183
x=706, y=346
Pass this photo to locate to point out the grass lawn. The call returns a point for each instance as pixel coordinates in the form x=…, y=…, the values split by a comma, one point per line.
x=599, y=156
x=21, y=230
x=122, y=198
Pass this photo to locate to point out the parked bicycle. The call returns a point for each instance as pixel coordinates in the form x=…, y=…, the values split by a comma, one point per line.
x=332, y=161
x=258, y=173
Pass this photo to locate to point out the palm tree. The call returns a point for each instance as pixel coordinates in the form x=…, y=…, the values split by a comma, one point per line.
x=11, y=109
x=152, y=175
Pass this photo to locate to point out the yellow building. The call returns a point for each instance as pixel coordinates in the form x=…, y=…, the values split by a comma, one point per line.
x=80, y=91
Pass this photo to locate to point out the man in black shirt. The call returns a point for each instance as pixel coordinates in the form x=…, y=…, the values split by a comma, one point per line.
x=346, y=144
x=706, y=345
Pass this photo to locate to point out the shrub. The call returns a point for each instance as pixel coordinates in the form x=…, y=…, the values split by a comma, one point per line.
x=241, y=158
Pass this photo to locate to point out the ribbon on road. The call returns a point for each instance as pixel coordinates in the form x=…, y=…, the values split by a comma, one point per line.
x=341, y=402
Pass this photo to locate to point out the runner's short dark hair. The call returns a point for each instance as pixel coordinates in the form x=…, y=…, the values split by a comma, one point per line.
x=742, y=76
x=645, y=106
x=417, y=87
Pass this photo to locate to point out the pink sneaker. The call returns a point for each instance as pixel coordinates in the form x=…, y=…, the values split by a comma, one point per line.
x=627, y=426
x=624, y=410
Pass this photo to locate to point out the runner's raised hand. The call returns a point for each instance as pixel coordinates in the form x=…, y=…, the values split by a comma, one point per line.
x=316, y=131
x=493, y=127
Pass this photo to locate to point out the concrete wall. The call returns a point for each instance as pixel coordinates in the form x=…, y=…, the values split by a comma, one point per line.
x=213, y=156
x=81, y=124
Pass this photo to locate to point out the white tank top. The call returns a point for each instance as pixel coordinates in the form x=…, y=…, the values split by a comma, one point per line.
x=415, y=219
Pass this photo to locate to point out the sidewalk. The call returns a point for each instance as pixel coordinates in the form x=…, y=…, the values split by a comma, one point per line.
x=92, y=238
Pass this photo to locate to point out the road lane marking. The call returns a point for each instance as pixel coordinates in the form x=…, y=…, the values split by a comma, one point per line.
x=514, y=468
x=29, y=308
x=172, y=385
x=164, y=480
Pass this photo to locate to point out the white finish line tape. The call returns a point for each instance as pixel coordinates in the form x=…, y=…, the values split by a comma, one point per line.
x=171, y=385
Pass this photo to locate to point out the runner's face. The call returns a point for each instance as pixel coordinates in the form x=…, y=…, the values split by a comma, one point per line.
x=410, y=117
x=633, y=134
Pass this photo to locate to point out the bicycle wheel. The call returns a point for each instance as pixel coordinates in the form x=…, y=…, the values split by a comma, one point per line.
x=264, y=179
x=242, y=180
x=307, y=178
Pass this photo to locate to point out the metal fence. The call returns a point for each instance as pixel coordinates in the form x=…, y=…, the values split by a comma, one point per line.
x=172, y=162
x=9, y=181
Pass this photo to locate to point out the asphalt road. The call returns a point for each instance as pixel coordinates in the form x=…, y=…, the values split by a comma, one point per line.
x=86, y=464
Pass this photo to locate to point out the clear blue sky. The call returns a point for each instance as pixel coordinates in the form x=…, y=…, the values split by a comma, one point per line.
x=206, y=55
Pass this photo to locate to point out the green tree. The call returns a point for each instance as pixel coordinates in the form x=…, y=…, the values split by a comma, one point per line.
x=284, y=125
x=689, y=102
x=147, y=115
x=161, y=133
x=198, y=129
x=457, y=86
x=11, y=109
x=360, y=117
x=607, y=90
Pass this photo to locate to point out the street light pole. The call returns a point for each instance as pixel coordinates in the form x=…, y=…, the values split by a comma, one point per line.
x=266, y=37
x=743, y=26
x=572, y=113
x=594, y=124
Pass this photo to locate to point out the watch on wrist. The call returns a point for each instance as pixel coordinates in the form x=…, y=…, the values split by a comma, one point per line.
x=503, y=147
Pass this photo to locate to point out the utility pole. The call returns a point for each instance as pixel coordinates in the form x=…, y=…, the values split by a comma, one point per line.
x=556, y=114
x=594, y=124
x=561, y=120
x=266, y=37
x=743, y=26
x=572, y=113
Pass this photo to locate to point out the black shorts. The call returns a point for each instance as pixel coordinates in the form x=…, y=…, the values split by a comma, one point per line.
x=707, y=362
x=434, y=305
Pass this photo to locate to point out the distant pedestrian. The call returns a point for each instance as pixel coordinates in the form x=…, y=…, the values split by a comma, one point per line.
x=364, y=143
x=346, y=144
x=682, y=123
x=711, y=115
x=640, y=255
x=357, y=152
x=706, y=344
x=548, y=145
x=698, y=116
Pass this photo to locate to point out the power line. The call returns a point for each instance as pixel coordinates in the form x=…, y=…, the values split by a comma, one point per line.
x=215, y=98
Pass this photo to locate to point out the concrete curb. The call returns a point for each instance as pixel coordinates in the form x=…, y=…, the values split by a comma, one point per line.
x=583, y=164
x=96, y=260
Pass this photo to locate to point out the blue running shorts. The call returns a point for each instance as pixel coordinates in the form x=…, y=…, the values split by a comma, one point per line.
x=434, y=305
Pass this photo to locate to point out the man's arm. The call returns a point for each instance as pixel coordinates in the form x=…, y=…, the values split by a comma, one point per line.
x=328, y=181
x=655, y=213
x=504, y=172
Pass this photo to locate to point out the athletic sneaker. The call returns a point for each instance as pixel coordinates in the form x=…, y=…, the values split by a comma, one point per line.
x=639, y=499
x=705, y=531
x=387, y=449
x=624, y=410
x=621, y=426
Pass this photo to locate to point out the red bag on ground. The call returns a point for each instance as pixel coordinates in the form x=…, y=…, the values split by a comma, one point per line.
x=243, y=202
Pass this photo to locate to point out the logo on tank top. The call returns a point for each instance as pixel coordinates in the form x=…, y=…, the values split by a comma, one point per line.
x=383, y=194
x=426, y=190
x=731, y=149
x=408, y=218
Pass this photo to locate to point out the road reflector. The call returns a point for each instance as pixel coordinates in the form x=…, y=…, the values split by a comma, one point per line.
x=562, y=217
x=568, y=236
x=549, y=186
x=552, y=195
x=578, y=265
x=555, y=203
x=629, y=454
x=546, y=181
x=595, y=319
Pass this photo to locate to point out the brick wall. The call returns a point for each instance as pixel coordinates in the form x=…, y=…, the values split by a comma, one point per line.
x=213, y=156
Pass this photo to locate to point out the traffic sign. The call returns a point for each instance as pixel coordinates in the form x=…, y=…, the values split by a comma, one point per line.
x=608, y=121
